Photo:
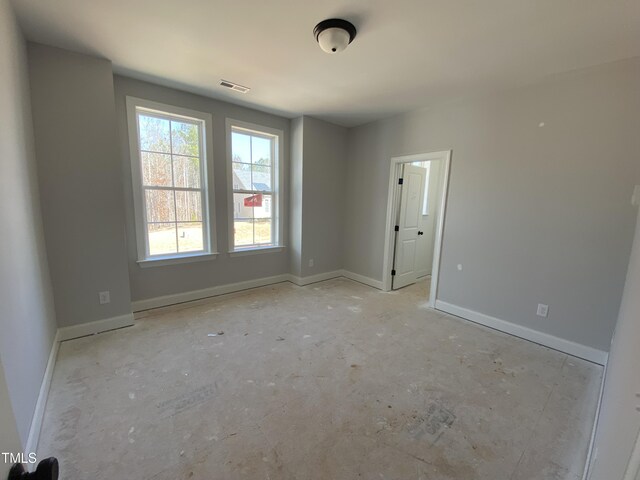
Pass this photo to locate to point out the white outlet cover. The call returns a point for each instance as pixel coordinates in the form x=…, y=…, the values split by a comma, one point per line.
x=105, y=297
x=635, y=198
x=460, y=266
x=311, y=262
x=543, y=310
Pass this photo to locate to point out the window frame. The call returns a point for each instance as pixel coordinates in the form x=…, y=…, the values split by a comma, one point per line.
x=277, y=187
x=171, y=112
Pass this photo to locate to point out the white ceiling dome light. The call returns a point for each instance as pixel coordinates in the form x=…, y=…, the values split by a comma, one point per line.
x=334, y=35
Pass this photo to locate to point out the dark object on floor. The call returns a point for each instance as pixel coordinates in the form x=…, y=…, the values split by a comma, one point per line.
x=47, y=469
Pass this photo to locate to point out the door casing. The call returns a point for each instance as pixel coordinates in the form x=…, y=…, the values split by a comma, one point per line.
x=393, y=203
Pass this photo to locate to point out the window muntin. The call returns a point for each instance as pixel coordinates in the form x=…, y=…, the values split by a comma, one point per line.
x=171, y=186
x=254, y=182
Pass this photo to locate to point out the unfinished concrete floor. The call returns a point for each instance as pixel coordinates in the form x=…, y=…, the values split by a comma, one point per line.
x=335, y=380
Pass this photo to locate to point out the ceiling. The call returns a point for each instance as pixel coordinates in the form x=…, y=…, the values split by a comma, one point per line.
x=407, y=53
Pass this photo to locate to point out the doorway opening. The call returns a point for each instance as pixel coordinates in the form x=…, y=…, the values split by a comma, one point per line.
x=415, y=220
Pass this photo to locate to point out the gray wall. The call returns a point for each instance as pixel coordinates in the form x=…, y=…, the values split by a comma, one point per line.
x=156, y=281
x=534, y=214
x=324, y=192
x=619, y=421
x=295, y=196
x=9, y=439
x=80, y=183
x=27, y=320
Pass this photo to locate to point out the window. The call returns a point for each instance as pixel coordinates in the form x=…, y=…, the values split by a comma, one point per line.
x=254, y=179
x=425, y=200
x=169, y=166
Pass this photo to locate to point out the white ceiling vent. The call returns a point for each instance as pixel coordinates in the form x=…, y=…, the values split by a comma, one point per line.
x=234, y=86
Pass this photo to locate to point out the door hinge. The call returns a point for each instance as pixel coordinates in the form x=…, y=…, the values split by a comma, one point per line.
x=400, y=181
x=397, y=228
x=393, y=272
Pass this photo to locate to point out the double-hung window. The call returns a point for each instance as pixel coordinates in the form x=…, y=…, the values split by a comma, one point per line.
x=169, y=167
x=254, y=167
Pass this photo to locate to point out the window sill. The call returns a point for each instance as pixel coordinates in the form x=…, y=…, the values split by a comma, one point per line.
x=160, y=262
x=255, y=251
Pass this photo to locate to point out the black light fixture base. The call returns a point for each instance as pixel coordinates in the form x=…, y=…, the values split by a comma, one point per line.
x=335, y=23
x=47, y=469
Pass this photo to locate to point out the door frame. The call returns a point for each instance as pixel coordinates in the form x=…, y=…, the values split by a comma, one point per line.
x=393, y=203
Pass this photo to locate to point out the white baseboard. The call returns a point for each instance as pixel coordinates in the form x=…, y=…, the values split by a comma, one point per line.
x=91, y=328
x=41, y=403
x=594, y=430
x=362, y=279
x=567, y=346
x=172, y=299
x=320, y=277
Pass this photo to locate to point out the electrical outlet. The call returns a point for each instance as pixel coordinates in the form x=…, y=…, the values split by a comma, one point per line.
x=635, y=198
x=311, y=262
x=105, y=297
x=543, y=310
x=460, y=267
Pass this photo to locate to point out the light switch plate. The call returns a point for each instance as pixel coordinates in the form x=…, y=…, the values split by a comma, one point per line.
x=635, y=198
x=105, y=297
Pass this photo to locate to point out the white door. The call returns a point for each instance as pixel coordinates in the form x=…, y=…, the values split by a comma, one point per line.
x=430, y=209
x=409, y=220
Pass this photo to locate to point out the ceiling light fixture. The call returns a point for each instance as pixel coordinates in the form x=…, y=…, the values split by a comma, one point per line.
x=334, y=35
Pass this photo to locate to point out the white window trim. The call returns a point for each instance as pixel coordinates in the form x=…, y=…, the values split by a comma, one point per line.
x=208, y=213
x=167, y=260
x=256, y=251
x=278, y=176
